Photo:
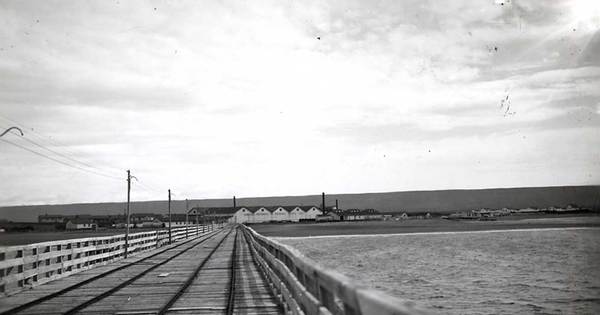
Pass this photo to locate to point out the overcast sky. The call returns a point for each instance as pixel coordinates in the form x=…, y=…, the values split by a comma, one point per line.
x=264, y=98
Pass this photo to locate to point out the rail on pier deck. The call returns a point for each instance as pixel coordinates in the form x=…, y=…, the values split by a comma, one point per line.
x=305, y=287
x=26, y=266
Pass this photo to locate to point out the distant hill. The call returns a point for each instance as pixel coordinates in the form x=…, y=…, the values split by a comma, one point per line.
x=441, y=201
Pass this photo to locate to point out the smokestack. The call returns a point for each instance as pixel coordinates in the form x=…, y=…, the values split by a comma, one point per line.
x=234, y=205
x=323, y=203
x=336, y=205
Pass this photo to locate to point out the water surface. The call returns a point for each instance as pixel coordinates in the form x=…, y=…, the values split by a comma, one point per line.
x=501, y=272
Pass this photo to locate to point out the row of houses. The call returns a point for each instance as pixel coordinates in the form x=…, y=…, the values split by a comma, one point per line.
x=258, y=214
x=90, y=222
x=293, y=214
x=485, y=212
x=262, y=214
x=405, y=216
x=350, y=215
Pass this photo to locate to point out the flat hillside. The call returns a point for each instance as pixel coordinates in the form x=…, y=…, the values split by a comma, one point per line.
x=440, y=201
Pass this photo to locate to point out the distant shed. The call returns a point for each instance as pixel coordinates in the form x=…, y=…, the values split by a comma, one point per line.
x=81, y=224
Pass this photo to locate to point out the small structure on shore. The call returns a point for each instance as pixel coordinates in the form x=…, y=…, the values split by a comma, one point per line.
x=51, y=218
x=81, y=224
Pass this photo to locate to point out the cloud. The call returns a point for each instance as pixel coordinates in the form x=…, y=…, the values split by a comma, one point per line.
x=243, y=94
x=575, y=118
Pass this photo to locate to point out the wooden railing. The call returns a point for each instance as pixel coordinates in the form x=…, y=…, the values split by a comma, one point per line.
x=304, y=287
x=30, y=265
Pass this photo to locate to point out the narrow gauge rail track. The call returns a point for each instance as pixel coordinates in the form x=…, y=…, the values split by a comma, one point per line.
x=231, y=293
x=227, y=282
x=129, y=281
x=69, y=293
x=193, y=277
x=216, y=275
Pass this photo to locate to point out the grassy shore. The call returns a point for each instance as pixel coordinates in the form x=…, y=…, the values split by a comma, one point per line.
x=432, y=225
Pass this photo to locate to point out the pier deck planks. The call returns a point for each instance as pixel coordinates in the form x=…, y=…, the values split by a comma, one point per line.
x=208, y=294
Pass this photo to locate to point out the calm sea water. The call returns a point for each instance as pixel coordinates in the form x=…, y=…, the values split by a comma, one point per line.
x=505, y=272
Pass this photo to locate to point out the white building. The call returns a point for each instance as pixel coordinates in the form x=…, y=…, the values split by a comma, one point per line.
x=311, y=212
x=273, y=214
x=279, y=214
x=243, y=215
x=297, y=214
x=80, y=224
x=261, y=214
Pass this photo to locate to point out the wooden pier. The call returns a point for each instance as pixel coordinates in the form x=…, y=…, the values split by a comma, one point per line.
x=229, y=270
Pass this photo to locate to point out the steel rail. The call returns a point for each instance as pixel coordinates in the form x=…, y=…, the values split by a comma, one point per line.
x=123, y=284
x=70, y=288
x=231, y=293
x=163, y=310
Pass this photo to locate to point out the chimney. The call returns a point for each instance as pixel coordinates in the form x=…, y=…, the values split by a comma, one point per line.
x=323, y=203
x=234, y=205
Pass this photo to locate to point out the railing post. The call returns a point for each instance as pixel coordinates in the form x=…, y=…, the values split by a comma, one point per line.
x=156, y=235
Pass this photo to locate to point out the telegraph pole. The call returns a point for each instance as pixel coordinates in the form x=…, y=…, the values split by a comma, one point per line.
x=186, y=217
x=203, y=221
x=127, y=214
x=197, y=228
x=169, y=216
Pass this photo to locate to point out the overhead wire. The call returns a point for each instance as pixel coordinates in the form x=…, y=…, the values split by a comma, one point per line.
x=64, y=156
x=57, y=146
x=59, y=161
x=60, y=157
x=149, y=187
x=65, y=159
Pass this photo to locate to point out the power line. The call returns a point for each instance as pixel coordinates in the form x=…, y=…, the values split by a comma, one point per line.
x=59, y=161
x=63, y=155
x=74, y=162
x=58, y=153
x=149, y=187
x=57, y=144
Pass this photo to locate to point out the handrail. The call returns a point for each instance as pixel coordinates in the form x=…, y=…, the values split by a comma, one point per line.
x=308, y=288
x=30, y=265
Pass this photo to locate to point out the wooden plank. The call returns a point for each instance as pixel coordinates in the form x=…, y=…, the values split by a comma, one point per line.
x=55, y=270
x=145, y=295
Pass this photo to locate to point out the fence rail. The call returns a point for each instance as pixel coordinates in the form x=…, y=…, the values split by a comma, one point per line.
x=26, y=266
x=305, y=287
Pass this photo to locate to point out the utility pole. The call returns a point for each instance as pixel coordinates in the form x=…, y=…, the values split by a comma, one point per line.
x=127, y=214
x=169, y=216
x=323, y=197
x=186, y=218
x=203, y=221
x=197, y=228
x=234, y=209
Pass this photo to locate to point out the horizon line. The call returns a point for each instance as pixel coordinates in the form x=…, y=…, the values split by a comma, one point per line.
x=318, y=195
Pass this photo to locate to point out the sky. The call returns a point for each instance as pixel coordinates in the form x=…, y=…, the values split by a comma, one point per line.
x=268, y=98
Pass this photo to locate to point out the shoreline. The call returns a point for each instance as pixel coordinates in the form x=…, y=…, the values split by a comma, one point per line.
x=436, y=225
x=434, y=233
